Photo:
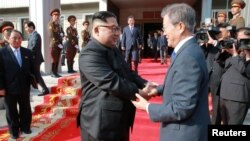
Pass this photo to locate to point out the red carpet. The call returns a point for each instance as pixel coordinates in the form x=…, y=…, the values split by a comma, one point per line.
x=55, y=120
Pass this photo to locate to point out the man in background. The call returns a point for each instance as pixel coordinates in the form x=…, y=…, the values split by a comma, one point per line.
x=5, y=28
x=34, y=44
x=237, y=20
x=16, y=67
x=131, y=42
x=72, y=43
x=56, y=35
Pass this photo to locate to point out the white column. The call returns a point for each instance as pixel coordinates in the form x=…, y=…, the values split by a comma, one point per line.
x=39, y=13
x=206, y=9
x=103, y=5
x=246, y=13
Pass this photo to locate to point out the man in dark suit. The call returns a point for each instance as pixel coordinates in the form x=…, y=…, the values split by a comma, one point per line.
x=56, y=35
x=235, y=85
x=106, y=112
x=72, y=43
x=163, y=46
x=34, y=44
x=131, y=42
x=16, y=66
x=184, y=113
x=155, y=48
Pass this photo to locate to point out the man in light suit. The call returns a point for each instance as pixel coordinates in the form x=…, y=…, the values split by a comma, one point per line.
x=105, y=111
x=131, y=43
x=16, y=66
x=184, y=114
x=34, y=44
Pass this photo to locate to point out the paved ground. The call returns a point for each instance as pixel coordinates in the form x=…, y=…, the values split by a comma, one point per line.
x=35, y=99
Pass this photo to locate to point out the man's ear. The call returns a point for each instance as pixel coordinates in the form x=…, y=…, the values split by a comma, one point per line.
x=96, y=30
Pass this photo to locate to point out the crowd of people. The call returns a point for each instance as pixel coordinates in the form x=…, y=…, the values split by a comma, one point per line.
x=226, y=51
x=215, y=63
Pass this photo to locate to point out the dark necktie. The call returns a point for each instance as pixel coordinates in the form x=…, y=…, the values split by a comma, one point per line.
x=173, y=56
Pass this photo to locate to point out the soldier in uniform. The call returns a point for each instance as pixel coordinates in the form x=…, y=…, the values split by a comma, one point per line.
x=5, y=28
x=56, y=35
x=237, y=20
x=221, y=17
x=72, y=43
x=85, y=33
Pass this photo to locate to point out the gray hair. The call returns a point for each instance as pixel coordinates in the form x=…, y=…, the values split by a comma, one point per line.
x=180, y=12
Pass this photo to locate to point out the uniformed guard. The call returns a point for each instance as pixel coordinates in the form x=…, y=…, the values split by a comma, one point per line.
x=237, y=20
x=85, y=33
x=56, y=35
x=221, y=17
x=5, y=28
x=72, y=43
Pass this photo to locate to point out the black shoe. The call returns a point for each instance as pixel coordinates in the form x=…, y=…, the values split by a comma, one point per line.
x=58, y=75
x=55, y=75
x=14, y=136
x=27, y=131
x=72, y=71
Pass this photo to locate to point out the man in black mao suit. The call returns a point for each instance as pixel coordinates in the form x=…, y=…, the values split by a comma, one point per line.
x=15, y=84
x=131, y=43
x=34, y=45
x=235, y=85
x=106, y=112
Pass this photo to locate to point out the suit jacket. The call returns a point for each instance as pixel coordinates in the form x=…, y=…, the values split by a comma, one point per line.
x=106, y=111
x=131, y=39
x=34, y=44
x=234, y=84
x=13, y=78
x=184, y=113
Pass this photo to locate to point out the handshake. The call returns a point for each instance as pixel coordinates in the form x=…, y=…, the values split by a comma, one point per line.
x=149, y=90
x=144, y=95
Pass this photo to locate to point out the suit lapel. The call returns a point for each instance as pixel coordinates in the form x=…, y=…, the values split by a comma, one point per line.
x=177, y=54
x=13, y=57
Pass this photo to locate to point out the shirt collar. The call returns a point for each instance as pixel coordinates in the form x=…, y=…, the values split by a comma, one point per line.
x=13, y=49
x=181, y=43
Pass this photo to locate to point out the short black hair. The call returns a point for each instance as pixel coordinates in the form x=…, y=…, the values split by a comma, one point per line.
x=245, y=29
x=103, y=15
x=30, y=23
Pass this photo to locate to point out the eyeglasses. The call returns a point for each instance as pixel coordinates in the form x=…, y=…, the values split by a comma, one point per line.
x=113, y=28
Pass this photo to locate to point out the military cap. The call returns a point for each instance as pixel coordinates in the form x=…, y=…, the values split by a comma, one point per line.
x=55, y=11
x=85, y=22
x=6, y=25
x=239, y=3
x=244, y=43
x=222, y=13
x=71, y=17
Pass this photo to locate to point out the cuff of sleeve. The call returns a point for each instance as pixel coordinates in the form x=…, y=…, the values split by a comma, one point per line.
x=147, y=107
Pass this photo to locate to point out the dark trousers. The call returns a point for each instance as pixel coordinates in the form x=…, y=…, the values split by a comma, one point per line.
x=70, y=55
x=233, y=112
x=40, y=79
x=18, y=120
x=55, y=55
x=85, y=136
